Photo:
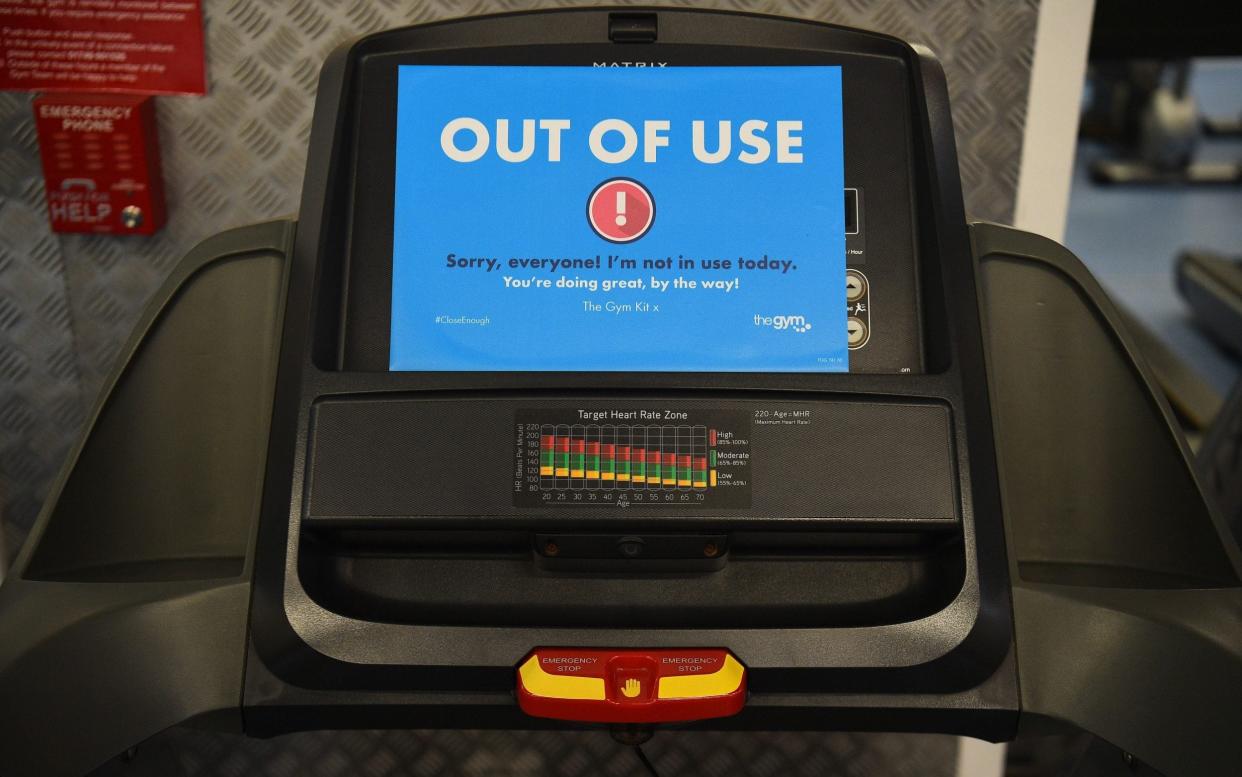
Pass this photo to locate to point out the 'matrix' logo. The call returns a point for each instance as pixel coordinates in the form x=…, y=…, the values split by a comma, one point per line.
x=797, y=324
x=629, y=63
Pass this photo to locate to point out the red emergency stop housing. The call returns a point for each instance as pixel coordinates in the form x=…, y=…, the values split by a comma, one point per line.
x=101, y=163
x=631, y=686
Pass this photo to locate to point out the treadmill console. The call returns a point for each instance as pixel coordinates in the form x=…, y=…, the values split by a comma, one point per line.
x=656, y=344
x=634, y=368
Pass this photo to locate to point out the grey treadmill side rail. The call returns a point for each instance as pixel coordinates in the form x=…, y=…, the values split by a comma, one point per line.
x=94, y=660
x=1148, y=656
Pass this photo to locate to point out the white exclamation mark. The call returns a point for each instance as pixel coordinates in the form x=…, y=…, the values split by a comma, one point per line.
x=620, y=207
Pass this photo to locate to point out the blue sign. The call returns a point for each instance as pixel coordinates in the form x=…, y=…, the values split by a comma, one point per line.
x=584, y=219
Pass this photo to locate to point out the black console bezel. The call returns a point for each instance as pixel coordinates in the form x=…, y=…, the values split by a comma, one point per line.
x=951, y=670
x=878, y=160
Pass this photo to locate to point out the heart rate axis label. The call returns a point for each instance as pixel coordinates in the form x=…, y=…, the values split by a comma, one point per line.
x=621, y=210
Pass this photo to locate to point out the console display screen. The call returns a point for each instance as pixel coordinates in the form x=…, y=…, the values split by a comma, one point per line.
x=590, y=219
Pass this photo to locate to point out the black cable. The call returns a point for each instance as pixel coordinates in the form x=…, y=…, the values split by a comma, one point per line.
x=645, y=761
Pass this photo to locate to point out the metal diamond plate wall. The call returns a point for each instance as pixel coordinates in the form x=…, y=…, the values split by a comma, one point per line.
x=187, y=753
x=41, y=402
x=235, y=157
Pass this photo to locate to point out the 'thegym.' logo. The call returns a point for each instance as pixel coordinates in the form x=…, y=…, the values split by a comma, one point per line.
x=797, y=324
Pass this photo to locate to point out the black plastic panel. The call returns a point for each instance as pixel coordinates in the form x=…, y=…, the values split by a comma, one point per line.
x=858, y=461
x=856, y=581
x=148, y=499
x=1126, y=586
x=1087, y=510
x=127, y=612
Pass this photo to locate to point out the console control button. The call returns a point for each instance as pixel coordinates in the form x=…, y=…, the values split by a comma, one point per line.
x=856, y=332
x=855, y=285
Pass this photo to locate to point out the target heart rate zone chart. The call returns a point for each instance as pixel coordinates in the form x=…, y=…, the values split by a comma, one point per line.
x=631, y=464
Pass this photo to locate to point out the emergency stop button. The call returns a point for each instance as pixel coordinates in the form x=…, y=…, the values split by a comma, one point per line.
x=630, y=686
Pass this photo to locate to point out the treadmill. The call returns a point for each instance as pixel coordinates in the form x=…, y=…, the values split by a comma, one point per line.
x=628, y=369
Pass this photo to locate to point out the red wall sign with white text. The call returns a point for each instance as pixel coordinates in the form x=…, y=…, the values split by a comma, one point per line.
x=134, y=46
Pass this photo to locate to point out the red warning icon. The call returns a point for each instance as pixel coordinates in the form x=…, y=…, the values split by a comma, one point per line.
x=620, y=210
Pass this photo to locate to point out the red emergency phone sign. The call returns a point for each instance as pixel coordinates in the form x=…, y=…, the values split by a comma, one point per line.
x=101, y=163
